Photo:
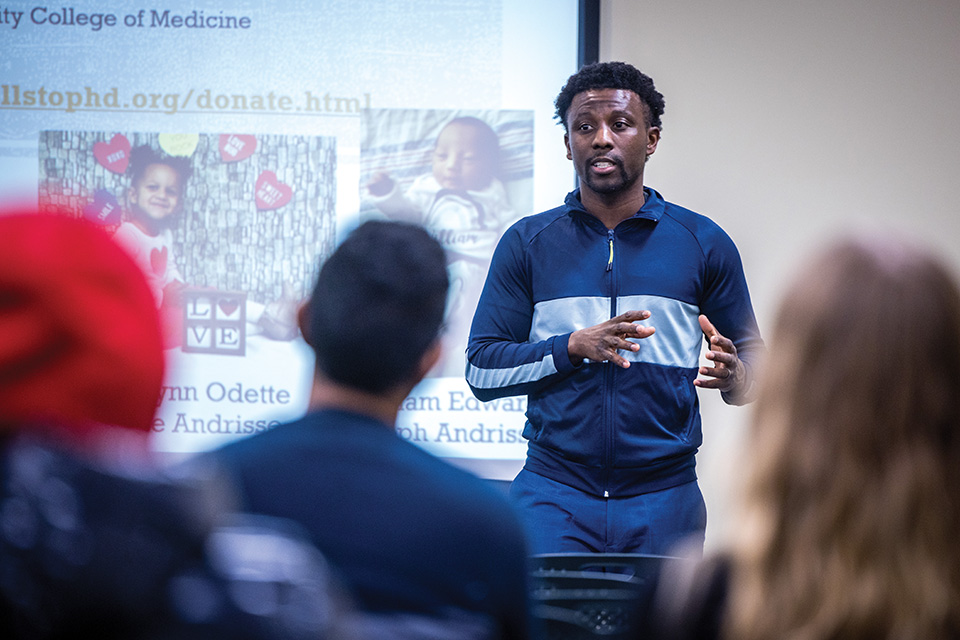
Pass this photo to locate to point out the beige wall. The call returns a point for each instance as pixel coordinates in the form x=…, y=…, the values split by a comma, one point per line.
x=789, y=122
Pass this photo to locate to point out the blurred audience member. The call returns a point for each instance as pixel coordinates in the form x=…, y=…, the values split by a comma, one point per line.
x=427, y=550
x=852, y=504
x=96, y=541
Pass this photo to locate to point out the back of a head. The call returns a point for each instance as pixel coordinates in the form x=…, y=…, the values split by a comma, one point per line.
x=870, y=332
x=108, y=545
x=851, y=503
x=80, y=341
x=377, y=305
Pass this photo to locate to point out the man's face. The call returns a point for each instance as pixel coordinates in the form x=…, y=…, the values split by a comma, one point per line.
x=608, y=139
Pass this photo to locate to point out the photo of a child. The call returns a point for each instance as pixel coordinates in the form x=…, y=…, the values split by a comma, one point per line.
x=195, y=218
x=153, y=203
x=458, y=191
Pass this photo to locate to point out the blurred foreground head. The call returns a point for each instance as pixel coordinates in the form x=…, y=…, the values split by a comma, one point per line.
x=80, y=342
x=377, y=306
x=853, y=504
x=93, y=546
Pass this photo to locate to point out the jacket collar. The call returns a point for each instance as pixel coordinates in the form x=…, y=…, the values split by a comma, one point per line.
x=652, y=209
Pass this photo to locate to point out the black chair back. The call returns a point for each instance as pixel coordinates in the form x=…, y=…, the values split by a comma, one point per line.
x=589, y=595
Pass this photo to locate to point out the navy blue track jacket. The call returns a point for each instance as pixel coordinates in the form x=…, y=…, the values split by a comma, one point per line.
x=597, y=427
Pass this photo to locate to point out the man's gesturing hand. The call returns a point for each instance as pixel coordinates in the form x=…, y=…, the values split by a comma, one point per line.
x=728, y=373
x=602, y=342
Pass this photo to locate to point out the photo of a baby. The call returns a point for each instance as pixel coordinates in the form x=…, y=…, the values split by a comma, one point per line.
x=465, y=176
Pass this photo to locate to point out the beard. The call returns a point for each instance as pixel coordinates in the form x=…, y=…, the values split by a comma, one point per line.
x=611, y=183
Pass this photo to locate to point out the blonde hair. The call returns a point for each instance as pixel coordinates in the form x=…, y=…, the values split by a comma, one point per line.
x=851, y=524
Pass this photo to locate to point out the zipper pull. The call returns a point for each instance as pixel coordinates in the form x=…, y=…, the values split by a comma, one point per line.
x=610, y=242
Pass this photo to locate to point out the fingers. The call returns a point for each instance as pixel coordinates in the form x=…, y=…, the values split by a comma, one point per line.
x=625, y=325
x=725, y=375
x=631, y=330
x=709, y=383
x=719, y=373
x=610, y=351
x=603, y=342
x=723, y=358
x=718, y=377
x=626, y=332
x=632, y=316
x=723, y=353
x=619, y=360
x=716, y=340
x=707, y=327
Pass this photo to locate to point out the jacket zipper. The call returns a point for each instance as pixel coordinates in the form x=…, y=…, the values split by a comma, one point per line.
x=610, y=259
x=610, y=374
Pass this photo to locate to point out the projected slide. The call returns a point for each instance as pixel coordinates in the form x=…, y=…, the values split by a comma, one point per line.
x=231, y=147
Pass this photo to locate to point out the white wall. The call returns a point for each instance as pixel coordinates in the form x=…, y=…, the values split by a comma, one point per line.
x=790, y=122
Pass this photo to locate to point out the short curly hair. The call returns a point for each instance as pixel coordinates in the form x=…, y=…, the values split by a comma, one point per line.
x=611, y=75
x=144, y=155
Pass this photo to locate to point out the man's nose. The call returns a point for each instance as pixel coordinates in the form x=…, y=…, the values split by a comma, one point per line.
x=603, y=137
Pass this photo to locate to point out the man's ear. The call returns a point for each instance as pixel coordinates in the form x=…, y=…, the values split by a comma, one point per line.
x=303, y=321
x=566, y=143
x=653, y=138
x=429, y=359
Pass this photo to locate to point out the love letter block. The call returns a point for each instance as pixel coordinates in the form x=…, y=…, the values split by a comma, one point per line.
x=214, y=322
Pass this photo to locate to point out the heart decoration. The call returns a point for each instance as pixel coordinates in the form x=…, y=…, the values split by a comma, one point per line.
x=228, y=306
x=158, y=260
x=113, y=156
x=104, y=210
x=235, y=147
x=270, y=193
x=179, y=144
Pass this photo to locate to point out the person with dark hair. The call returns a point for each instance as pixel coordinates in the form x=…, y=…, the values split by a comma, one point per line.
x=426, y=549
x=154, y=202
x=154, y=199
x=612, y=75
x=596, y=311
x=849, y=512
x=97, y=540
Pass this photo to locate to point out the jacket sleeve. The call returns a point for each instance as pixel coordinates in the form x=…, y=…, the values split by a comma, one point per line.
x=726, y=302
x=501, y=361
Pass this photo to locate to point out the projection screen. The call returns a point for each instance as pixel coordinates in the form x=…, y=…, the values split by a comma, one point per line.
x=287, y=115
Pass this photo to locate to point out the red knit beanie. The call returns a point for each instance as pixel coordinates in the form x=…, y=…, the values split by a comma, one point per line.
x=80, y=341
